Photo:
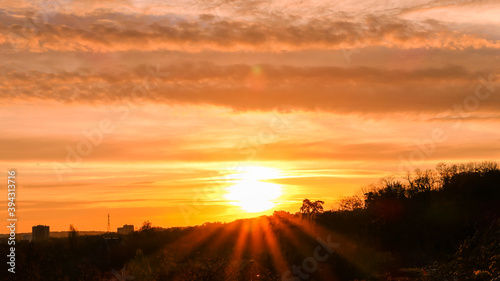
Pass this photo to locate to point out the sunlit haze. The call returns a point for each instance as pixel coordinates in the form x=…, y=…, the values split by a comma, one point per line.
x=251, y=193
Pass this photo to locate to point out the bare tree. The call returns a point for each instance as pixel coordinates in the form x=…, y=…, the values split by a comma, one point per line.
x=351, y=203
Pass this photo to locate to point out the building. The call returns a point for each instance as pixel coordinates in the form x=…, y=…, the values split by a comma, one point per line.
x=40, y=232
x=126, y=229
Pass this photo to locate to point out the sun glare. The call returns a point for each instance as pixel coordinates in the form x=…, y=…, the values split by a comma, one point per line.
x=251, y=193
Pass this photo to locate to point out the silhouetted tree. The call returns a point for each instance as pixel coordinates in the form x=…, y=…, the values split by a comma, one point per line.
x=351, y=203
x=422, y=181
x=309, y=207
x=73, y=232
x=146, y=226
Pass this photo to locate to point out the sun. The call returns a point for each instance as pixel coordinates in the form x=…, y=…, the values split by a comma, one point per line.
x=251, y=192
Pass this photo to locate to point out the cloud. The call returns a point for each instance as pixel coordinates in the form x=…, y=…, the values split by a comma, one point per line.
x=362, y=90
x=146, y=150
x=112, y=32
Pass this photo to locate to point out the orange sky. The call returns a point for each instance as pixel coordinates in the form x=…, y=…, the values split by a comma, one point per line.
x=144, y=110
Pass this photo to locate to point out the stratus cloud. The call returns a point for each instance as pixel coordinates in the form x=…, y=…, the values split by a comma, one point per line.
x=118, y=32
x=243, y=87
x=242, y=8
x=151, y=151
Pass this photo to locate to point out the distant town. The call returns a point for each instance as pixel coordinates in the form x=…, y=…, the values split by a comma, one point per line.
x=42, y=232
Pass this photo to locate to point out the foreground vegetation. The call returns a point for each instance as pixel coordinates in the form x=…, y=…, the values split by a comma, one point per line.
x=440, y=224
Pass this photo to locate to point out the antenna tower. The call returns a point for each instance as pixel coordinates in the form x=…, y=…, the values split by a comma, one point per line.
x=109, y=225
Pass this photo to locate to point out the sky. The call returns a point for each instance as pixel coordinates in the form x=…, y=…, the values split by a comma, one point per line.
x=156, y=110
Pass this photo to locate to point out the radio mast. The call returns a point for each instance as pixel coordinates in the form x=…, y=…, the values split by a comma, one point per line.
x=109, y=225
